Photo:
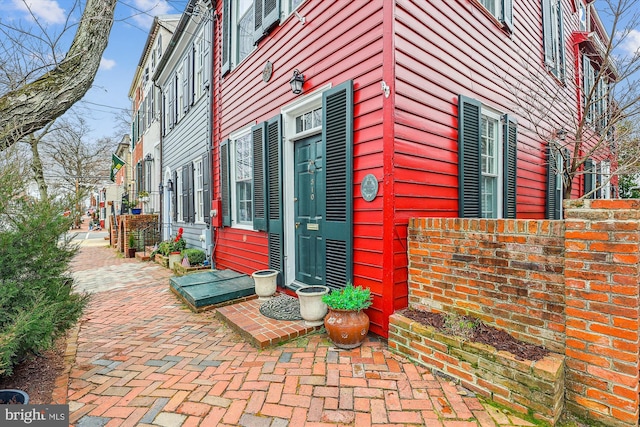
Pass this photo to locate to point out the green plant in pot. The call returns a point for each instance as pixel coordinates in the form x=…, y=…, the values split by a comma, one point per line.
x=347, y=325
x=131, y=246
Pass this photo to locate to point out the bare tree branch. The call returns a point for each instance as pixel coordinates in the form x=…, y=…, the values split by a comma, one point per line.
x=29, y=108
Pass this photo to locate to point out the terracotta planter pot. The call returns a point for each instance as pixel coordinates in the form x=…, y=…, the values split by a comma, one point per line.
x=347, y=328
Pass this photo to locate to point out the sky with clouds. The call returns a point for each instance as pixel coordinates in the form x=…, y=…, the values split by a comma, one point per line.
x=109, y=93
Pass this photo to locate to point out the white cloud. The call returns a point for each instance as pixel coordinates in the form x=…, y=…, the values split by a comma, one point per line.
x=48, y=11
x=147, y=9
x=107, y=64
x=631, y=43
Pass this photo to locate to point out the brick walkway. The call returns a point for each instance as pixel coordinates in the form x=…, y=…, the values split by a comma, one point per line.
x=139, y=357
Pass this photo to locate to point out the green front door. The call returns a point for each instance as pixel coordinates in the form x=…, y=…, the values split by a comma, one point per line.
x=309, y=211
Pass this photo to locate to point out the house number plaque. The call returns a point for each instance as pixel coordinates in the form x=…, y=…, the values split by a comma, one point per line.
x=267, y=71
x=369, y=187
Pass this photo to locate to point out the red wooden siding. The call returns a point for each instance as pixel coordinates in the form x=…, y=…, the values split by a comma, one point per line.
x=428, y=53
x=340, y=41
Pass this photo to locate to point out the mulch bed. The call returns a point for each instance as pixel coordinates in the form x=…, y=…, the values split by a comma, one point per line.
x=481, y=333
x=37, y=375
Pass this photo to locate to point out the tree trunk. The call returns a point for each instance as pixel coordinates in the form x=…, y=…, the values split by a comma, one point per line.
x=36, y=167
x=30, y=107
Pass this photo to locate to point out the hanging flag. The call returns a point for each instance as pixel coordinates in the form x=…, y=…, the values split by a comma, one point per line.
x=116, y=165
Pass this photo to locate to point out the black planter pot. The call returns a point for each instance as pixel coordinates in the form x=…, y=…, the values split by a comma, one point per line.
x=19, y=396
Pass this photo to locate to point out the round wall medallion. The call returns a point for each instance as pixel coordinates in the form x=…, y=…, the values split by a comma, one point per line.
x=369, y=187
x=267, y=71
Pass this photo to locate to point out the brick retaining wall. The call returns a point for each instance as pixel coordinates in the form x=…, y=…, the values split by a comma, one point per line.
x=518, y=384
x=569, y=285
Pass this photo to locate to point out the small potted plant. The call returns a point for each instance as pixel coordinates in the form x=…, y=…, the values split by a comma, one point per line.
x=143, y=196
x=176, y=245
x=131, y=247
x=347, y=325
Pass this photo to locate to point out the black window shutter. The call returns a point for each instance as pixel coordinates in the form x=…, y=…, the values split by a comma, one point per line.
x=191, y=211
x=588, y=178
x=266, y=16
x=139, y=177
x=337, y=145
x=176, y=107
x=469, y=154
x=225, y=60
x=224, y=183
x=175, y=196
x=258, y=32
x=172, y=95
x=507, y=14
x=274, y=194
x=259, y=180
x=185, y=193
x=206, y=188
x=554, y=199
x=510, y=153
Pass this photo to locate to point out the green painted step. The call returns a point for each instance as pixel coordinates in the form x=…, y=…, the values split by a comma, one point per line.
x=212, y=288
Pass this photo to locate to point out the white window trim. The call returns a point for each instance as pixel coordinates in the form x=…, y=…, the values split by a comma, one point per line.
x=496, y=116
x=605, y=179
x=180, y=98
x=302, y=105
x=233, y=137
x=200, y=48
x=178, y=187
x=234, y=57
x=198, y=191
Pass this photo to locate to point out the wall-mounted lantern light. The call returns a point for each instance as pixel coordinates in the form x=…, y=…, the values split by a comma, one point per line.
x=170, y=185
x=160, y=188
x=296, y=82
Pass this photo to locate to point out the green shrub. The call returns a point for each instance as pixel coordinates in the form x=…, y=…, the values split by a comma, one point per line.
x=36, y=300
x=348, y=298
x=196, y=256
x=164, y=248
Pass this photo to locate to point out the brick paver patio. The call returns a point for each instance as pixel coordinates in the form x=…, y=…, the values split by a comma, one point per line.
x=139, y=357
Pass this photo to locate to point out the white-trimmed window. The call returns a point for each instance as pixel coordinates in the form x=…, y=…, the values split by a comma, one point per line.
x=198, y=190
x=490, y=152
x=179, y=187
x=243, y=29
x=241, y=160
x=595, y=95
x=488, y=146
x=200, y=49
x=553, y=37
x=182, y=99
x=502, y=10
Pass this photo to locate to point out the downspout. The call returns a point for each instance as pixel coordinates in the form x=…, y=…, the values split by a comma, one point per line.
x=161, y=185
x=210, y=139
x=212, y=97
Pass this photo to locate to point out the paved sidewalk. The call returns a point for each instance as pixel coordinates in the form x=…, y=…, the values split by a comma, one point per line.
x=139, y=357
